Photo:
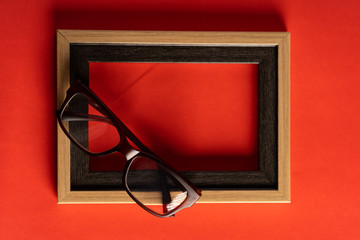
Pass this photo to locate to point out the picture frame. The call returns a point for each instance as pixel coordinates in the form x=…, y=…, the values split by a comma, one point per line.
x=270, y=50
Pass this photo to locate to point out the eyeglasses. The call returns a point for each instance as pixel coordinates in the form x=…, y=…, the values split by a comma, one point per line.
x=96, y=130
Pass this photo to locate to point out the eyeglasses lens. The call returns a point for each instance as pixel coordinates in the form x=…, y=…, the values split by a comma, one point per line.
x=87, y=126
x=153, y=186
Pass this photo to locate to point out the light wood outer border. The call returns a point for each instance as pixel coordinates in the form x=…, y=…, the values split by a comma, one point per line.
x=280, y=39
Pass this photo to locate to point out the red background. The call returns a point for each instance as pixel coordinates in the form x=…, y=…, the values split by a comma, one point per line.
x=193, y=115
x=324, y=120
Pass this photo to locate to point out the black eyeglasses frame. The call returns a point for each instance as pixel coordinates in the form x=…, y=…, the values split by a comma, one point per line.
x=124, y=147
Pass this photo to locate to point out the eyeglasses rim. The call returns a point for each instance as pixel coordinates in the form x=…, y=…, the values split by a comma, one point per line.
x=192, y=196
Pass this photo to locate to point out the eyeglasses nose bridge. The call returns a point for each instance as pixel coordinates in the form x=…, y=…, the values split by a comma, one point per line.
x=128, y=151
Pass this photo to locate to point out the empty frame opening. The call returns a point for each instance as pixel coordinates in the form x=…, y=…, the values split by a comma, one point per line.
x=195, y=116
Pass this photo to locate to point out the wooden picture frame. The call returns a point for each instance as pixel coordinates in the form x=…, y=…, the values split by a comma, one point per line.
x=270, y=50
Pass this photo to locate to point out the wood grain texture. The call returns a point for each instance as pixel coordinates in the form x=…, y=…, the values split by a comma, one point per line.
x=63, y=143
x=175, y=37
x=179, y=46
x=215, y=196
x=284, y=116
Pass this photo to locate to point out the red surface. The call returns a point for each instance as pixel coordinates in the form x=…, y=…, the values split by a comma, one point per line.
x=194, y=116
x=324, y=135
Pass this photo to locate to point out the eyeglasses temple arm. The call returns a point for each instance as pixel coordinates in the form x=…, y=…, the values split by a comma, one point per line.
x=71, y=116
x=166, y=197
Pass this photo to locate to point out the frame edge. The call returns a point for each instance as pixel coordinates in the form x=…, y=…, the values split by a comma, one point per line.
x=282, y=39
x=174, y=37
x=63, y=144
x=284, y=116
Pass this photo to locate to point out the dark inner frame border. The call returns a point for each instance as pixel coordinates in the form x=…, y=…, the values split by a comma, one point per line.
x=266, y=178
